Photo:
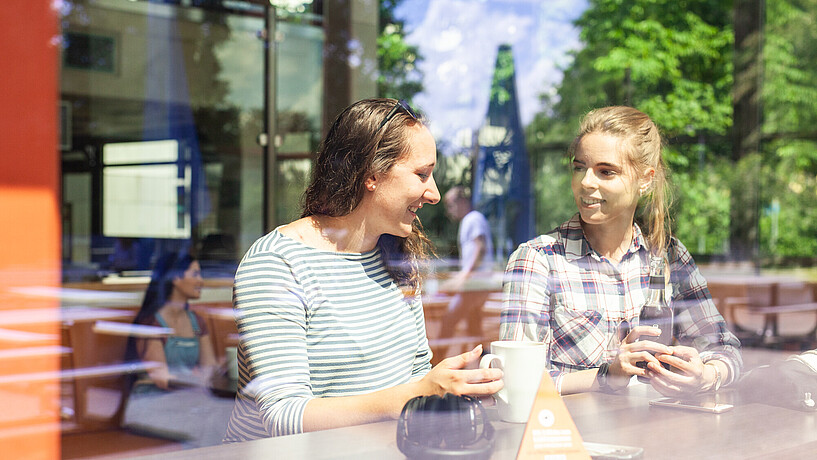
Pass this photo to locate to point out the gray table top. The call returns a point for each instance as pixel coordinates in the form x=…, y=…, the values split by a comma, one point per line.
x=750, y=430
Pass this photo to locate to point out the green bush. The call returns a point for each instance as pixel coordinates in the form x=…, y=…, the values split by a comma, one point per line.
x=700, y=214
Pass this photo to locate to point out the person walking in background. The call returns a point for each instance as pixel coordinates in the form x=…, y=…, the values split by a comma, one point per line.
x=173, y=400
x=476, y=251
x=328, y=307
x=578, y=287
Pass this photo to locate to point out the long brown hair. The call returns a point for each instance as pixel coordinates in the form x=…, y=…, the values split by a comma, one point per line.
x=642, y=145
x=357, y=146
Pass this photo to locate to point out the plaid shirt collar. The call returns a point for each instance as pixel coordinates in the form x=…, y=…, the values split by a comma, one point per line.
x=572, y=237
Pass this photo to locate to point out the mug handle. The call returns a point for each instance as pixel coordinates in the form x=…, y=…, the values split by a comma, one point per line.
x=485, y=363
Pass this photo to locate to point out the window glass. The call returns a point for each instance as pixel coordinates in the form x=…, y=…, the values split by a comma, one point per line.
x=138, y=75
x=192, y=125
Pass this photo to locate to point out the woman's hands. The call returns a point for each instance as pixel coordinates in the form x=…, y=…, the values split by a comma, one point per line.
x=632, y=351
x=160, y=376
x=451, y=376
x=688, y=374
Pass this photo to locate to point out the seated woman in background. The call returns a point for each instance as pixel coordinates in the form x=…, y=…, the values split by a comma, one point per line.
x=331, y=324
x=578, y=287
x=172, y=399
x=188, y=353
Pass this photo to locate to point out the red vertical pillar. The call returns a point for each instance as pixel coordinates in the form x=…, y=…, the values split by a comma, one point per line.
x=30, y=230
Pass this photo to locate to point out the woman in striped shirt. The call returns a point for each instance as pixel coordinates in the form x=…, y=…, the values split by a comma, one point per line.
x=575, y=286
x=328, y=337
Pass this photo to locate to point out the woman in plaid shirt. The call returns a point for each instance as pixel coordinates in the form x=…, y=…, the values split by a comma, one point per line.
x=579, y=287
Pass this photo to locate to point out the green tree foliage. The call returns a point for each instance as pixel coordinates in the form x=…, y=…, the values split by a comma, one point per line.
x=672, y=59
x=790, y=82
x=551, y=187
x=788, y=222
x=790, y=73
x=399, y=77
x=703, y=204
x=503, y=75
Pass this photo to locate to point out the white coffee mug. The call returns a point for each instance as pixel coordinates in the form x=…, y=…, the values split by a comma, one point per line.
x=232, y=362
x=523, y=364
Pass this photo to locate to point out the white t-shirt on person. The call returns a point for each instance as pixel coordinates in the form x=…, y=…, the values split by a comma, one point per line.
x=472, y=226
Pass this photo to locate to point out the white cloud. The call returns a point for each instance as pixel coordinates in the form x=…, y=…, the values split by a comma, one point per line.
x=459, y=39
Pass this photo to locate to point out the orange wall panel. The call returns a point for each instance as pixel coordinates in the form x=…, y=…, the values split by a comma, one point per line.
x=30, y=231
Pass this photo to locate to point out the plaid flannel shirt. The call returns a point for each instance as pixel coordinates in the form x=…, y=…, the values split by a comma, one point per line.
x=560, y=291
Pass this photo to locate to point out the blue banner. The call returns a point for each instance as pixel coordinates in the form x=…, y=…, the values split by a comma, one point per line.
x=502, y=188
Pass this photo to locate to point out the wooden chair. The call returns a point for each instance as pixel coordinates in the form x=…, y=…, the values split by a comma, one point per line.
x=792, y=319
x=221, y=325
x=98, y=372
x=741, y=308
x=791, y=300
x=491, y=316
x=727, y=296
x=434, y=309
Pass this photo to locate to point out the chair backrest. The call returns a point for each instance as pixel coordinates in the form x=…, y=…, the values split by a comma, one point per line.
x=98, y=375
x=223, y=331
x=795, y=292
x=220, y=318
x=760, y=294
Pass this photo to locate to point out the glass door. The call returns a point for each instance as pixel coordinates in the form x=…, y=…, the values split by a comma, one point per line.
x=162, y=107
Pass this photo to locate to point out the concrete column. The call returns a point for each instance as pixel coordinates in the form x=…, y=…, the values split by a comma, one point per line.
x=350, y=54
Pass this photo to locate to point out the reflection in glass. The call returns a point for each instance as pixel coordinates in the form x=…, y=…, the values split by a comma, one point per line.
x=186, y=75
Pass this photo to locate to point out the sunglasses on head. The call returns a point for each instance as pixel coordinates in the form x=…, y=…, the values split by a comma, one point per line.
x=397, y=106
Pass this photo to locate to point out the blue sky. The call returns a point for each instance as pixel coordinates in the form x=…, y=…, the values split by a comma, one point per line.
x=459, y=39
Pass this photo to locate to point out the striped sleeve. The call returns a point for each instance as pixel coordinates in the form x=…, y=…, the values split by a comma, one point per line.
x=271, y=319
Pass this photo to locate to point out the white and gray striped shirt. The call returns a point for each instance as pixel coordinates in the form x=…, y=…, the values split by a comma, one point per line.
x=315, y=324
